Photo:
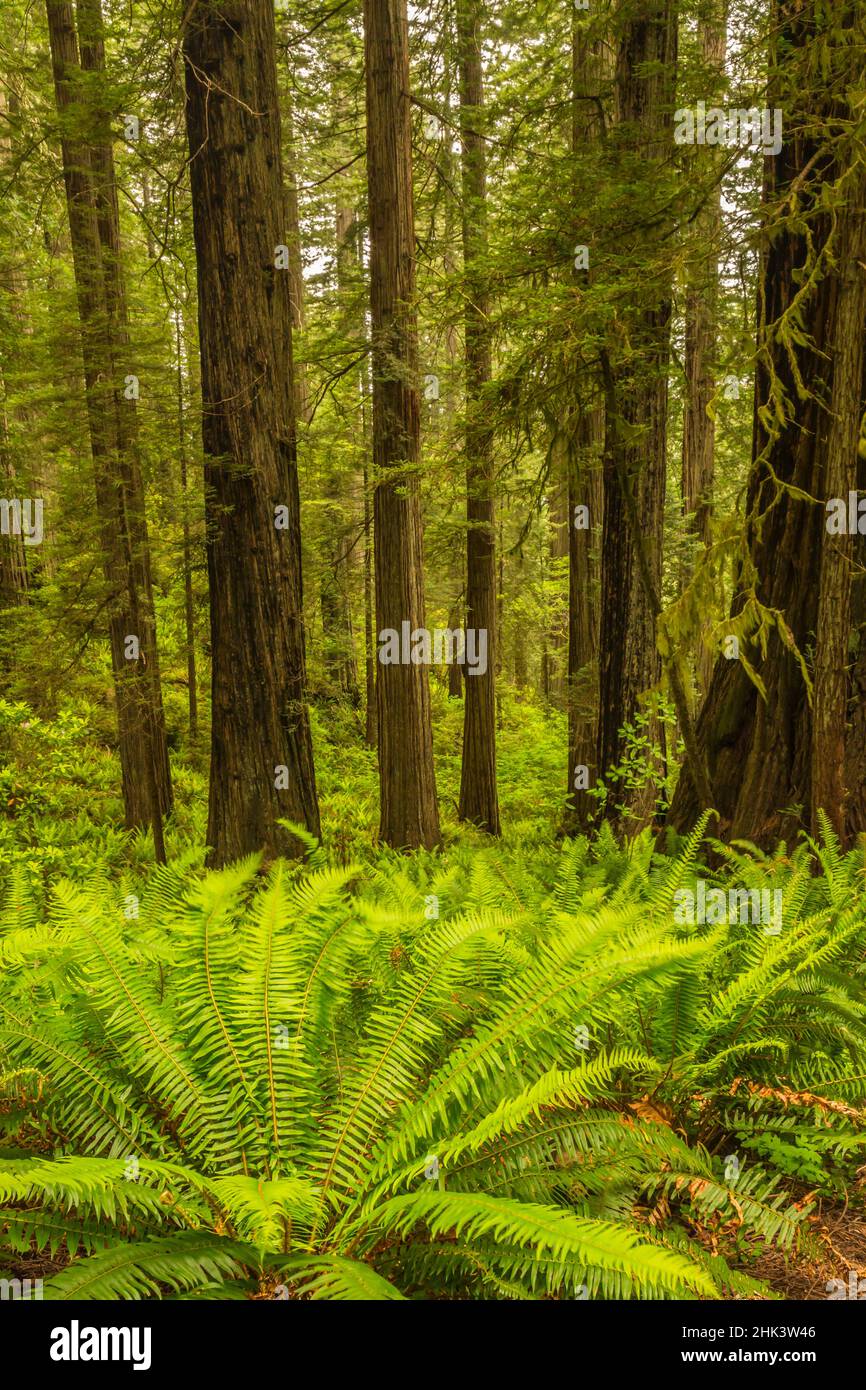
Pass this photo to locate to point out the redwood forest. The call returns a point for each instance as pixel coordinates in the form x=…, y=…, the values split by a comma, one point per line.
x=432, y=655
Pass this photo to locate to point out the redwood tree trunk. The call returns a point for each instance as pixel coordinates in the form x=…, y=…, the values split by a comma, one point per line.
x=261, y=750
x=478, y=795
x=829, y=789
x=409, y=811
x=14, y=578
x=339, y=518
x=585, y=442
x=636, y=396
x=772, y=761
x=701, y=328
x=91, y=198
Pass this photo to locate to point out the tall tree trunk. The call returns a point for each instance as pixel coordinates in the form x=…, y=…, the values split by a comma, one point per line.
x=407, y=784
x=370, y=721
x=92, y=49
x=829, y=791
x=303, y=402
x=701, y=327
x=585, y=491
x=188, y=610
x=261, y=748
x=584, y=447
x=13, y=551
x=478, y=795
x=339, y=513
x=773, y=759
x=91, y=198
x=556, y=678
x=636, y=403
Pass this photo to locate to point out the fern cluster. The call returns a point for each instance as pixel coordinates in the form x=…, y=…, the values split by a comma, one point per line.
x=433, y=1078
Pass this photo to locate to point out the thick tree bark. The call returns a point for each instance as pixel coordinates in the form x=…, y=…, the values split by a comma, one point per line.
x=91, y=198
x=855, y=741
x=478, y=794
x=636, y=404
x=409, y=811
x=771, y=767
x=829, y=791
x=261, y=750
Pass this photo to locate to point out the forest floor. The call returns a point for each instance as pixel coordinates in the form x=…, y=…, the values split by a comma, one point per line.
x=839, y=1233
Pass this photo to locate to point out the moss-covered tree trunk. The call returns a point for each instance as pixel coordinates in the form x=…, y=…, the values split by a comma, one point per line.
x=775, y=757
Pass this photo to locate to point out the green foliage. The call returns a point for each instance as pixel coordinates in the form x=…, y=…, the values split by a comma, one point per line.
x=310, y=1085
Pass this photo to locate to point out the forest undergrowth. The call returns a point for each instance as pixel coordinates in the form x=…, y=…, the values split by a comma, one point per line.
x=508, y=1069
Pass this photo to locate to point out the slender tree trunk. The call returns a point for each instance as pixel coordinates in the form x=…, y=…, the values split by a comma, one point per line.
x=478, y=795
x=585, y=491
x=584, y=448
x=409, y=811
x=448, y=162
x=13, y=552
x=701, y=323
x=261, y=749
x=557, y=636
x=455, y=670
x=188, y=609
x=92, y=45
x=369, y=640
x=339, y=517
x=91, y=198
x=303, y=401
